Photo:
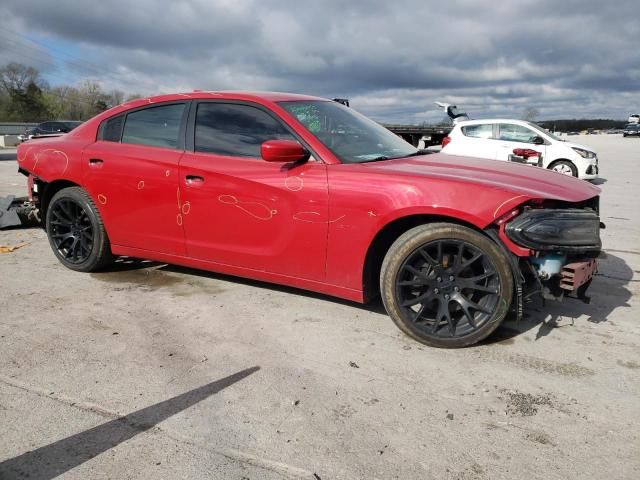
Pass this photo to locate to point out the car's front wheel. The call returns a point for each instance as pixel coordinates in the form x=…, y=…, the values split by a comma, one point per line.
x=446, y=285
x=565, y=167
x=75, y=230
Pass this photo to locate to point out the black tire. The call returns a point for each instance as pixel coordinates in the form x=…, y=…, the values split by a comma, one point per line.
x=76, y=232
x=459, y=281
x=564, y=166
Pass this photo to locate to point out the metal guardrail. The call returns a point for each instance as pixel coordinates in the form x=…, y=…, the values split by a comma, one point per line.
x=14, y=128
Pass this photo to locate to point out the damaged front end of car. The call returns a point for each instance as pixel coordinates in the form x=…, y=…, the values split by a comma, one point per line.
x=554, y=248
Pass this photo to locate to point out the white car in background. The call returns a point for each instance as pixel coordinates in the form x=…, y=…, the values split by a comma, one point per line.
x=497, y=139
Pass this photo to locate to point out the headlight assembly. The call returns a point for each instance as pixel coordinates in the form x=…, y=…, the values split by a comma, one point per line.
x=584, y=153
x=569, y=230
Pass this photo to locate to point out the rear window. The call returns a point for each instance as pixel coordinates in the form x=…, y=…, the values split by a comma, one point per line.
x=154, y=126
x=483, y=130
x=111, y=129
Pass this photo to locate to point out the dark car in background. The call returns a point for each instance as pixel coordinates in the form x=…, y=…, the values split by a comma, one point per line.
x=49, y=129
x=631, y=130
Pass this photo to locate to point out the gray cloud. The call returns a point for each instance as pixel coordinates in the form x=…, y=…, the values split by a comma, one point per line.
x=570, y=58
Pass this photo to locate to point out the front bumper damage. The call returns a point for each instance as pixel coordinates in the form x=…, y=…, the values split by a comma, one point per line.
x=572, y=278
x=575, y=275
x=556, y=250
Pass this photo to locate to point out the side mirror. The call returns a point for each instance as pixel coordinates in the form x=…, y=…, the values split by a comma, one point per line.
x=283, y=151
x=538, y=141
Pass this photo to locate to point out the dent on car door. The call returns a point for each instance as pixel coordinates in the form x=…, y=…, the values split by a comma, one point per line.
x=132, y=173
x=243, y=211
x=512, y=136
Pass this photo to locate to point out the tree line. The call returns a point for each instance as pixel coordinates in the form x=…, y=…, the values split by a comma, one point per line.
x=26, y=97
x=578, y=125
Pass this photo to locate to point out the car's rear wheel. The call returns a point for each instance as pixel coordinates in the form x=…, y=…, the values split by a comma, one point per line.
x=75, y=230
x=446, y=285
x=565, y=167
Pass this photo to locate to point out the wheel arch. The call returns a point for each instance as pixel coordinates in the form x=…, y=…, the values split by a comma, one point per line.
x=48, y=190
x=385, y=237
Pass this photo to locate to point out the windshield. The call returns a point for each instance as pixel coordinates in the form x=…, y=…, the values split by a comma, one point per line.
x=544, y=130
x=350, y=136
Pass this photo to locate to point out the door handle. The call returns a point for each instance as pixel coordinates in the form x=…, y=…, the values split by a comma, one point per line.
x=194, y=180
x=95, y=162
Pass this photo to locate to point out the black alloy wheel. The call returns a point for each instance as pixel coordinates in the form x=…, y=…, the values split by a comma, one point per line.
x=446, y=285
x=71, y=231
x=76, y=232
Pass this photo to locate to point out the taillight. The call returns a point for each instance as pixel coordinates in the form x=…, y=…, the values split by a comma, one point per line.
x=446, y=141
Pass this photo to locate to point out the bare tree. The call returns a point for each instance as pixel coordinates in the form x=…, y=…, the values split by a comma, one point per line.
x=15, y=77
x=530, y=114
x=116, y=97
x=133, y=96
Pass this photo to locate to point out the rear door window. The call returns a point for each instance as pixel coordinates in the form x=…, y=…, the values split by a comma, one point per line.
x=111, y=129
x=235, y=130
x=154, y=126
x=483, y=130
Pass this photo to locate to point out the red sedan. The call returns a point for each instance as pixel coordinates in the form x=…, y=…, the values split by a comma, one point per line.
x=307, y=192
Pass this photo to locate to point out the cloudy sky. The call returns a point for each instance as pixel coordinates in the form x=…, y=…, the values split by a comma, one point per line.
x=569, y=58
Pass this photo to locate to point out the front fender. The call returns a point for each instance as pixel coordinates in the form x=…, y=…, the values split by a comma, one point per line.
x=360, y=210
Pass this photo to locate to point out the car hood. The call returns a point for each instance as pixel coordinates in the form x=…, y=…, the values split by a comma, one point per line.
x=526, y=180
x=577, y=145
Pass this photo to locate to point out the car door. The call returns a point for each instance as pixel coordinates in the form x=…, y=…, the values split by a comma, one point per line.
x=477, y=140
x=132, y=172
x=512, y=136
x=240, y=210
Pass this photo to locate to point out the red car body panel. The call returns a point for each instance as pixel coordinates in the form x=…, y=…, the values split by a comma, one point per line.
x=275, y=219
x=136, y=190
x=309, y=226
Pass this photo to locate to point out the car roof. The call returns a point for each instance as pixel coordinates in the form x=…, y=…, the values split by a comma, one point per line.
x=492, y=120
x=87, y=129
x=231, y=95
